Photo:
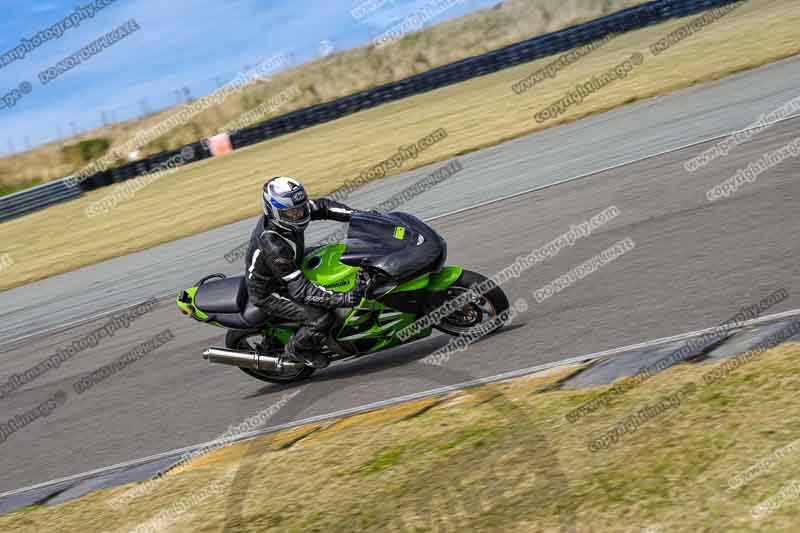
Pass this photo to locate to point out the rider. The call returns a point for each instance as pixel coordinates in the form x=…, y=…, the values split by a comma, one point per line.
x=275, y=282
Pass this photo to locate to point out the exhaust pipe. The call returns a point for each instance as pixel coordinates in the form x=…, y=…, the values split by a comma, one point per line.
x=250, y=360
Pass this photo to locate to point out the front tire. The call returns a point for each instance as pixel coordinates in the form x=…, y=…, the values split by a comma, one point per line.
x=248, y=340
x=473, y=316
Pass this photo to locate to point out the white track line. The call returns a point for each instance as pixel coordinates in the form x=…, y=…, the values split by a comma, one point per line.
x=415, y=396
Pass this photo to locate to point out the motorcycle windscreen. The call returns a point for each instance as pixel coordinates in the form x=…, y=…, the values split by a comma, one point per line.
x=399, y=244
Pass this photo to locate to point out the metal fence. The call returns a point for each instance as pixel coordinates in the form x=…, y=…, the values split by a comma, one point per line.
x=509, y=56
x=35, y=198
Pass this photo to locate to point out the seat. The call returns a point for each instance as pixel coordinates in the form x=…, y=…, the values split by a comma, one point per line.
x=227, y=295
x=225, y=301
x=251, y=318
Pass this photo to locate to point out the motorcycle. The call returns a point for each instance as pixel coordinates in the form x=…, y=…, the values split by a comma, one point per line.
x=404, y=260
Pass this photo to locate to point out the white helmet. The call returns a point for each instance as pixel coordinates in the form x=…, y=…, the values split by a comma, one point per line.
x=286, y=203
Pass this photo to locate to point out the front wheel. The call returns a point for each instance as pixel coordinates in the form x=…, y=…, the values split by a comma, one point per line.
x=252, y=341
x=475, y=316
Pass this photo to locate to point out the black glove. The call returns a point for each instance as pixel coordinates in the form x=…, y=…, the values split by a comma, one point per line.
x=360, y=289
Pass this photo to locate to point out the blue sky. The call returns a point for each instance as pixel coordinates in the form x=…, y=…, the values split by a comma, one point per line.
x=181, y=43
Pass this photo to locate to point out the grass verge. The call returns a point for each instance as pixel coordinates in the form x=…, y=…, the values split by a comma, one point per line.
x=497, y=458
x=16, y=187
x=476, y=114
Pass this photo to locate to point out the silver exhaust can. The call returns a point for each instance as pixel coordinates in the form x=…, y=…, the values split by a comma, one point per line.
x=250, y=360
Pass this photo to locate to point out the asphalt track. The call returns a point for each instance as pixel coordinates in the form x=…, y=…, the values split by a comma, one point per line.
x=695, y=265
x=601, y=141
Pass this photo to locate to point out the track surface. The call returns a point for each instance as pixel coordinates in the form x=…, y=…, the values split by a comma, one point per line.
x=695, y=265
x=601, y=141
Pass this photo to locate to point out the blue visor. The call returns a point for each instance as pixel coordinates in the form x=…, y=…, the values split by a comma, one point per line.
x=277, y=204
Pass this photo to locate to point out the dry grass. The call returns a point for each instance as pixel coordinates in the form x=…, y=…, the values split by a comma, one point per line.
x=496, y=458
x=338, y=75
x=476, y=114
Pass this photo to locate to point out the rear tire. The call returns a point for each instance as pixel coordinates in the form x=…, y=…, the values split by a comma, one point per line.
x=244, y=340
x=470, y=317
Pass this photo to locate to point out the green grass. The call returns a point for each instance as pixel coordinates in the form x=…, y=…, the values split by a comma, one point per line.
x=396, y=455
x=383, y=460
x=16, y=187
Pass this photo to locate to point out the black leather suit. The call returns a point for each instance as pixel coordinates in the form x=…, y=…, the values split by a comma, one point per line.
x=277, y=286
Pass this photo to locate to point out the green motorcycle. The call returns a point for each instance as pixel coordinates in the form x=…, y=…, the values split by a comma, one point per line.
x=405, y=261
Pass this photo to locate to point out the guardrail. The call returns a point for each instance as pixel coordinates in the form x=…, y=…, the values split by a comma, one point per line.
x=143, y=166
x=472, y=67
x=35, y=198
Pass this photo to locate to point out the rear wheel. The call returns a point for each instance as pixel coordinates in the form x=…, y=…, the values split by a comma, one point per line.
x=251, y=341
x=474, y=316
